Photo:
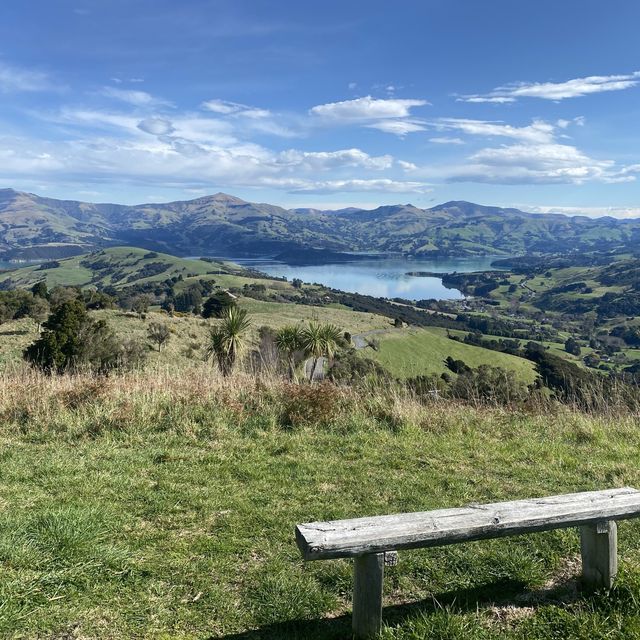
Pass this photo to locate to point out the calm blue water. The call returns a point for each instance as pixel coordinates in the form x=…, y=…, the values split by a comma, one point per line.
x=384, y=277
x=381, y=277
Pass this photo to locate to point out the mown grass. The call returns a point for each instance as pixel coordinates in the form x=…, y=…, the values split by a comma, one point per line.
x=151, y=505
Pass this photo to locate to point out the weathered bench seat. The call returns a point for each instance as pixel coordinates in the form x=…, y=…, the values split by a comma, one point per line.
x=367, y=539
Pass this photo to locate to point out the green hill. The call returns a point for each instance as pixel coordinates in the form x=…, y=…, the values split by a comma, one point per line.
x=412, y=352
x=404, y=353
x=118, y=267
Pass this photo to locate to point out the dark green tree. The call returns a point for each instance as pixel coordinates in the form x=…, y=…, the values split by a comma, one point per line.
x=40, y=290
x=72, y=340
x=217, y=304
x=572, y=346
x=189, y=300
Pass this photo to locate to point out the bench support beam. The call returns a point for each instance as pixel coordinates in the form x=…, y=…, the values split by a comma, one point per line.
x=368, y=575
x=599, y=548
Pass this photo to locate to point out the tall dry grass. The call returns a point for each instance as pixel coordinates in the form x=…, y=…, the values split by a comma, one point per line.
x=200, y=401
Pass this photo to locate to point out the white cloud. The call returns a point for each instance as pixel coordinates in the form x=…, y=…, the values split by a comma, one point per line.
x=550, y=163
x=446, y=140
x=535, y=156
x=95, y=118
x=367, y=108
x=224, y=107
x=489, y=99
x=253, y=119
x=16, y=79
x=191, y=151
x=537, y=131
x=322, y=160
x=398, y=127
x=133, y=97
x=384, y=185
x=138, y=142
x=577, y=87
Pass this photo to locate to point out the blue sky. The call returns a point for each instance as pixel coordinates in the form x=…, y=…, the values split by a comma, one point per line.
x=533, y=104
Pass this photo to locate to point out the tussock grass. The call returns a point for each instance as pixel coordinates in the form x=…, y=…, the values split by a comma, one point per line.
x=159, y=504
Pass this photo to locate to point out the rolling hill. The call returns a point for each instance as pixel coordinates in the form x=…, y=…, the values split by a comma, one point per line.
x=117, y=267
x=36, y=227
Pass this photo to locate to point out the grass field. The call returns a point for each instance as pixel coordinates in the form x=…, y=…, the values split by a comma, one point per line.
x=123, y=266
x=411, y=352
x=189, y=334
x=156, y=506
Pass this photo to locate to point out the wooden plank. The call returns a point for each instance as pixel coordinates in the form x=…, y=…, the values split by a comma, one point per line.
x=347, y=538
x=599, y=548
x=368, y=576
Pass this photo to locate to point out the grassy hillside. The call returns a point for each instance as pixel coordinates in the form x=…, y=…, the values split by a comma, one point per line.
x=163, y=506
x=411, y=352
x=405, y=353
x=189, y=334
x=121, y=267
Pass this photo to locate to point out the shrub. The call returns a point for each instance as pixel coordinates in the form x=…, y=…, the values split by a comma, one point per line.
x=349, y=368
x=457, y=366
x=425, y=387
x=311, y=405
x=72, y=340
x=488, y=384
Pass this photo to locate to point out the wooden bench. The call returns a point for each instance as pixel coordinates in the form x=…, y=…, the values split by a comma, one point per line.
x=368, y=539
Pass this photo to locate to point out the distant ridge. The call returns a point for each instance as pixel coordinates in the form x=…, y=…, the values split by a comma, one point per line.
x=223, y=224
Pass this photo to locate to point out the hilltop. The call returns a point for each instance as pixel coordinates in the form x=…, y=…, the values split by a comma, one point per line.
x=35, y=227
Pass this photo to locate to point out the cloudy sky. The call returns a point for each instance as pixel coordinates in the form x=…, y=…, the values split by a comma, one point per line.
x=522, y=103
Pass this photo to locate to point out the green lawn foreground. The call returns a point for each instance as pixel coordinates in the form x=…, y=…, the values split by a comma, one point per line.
x=164, y=507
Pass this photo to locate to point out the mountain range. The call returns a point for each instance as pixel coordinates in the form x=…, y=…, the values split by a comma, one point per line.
x=37, y=227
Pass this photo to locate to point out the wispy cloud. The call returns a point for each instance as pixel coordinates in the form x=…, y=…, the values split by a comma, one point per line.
x=133, y=97
x=446, y=140
x=399, y=128
x=537, y=131
x=592, y=212
x=225, y=107
x=573, y=88
x=17, y=79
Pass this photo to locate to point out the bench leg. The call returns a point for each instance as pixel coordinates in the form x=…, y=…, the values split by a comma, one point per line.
x=599, y=547
x=368, y=574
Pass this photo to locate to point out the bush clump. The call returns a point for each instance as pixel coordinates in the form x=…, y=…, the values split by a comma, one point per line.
x=73, y=341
